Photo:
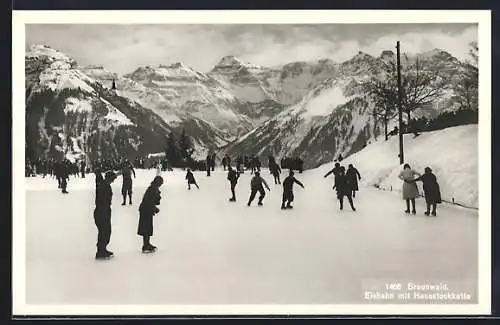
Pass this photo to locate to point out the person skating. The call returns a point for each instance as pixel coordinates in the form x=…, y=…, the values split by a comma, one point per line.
x=275, y=171
x=410, y=190
x=147, y=209
x=83, y=167
x=344, y=185
x=432, y=192
x=354, y=176
x=335, y=171
x=102, y=212
x=257, y=185
x=127, y=172
x=288, y=190
x=208, y=164
x=64, y=175
x=232, y=177
x=224, y=162
x=190, y=179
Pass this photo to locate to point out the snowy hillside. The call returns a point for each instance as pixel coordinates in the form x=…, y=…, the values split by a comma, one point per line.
x=451, y=154
x=183, y=91
x=69, y=113
x=334, y=117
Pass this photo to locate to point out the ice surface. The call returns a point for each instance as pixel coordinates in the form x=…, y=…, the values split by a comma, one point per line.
x=211, y=251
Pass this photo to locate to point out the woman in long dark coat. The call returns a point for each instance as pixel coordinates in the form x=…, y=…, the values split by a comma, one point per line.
x=432, y=192
x=147, y=210
x=354, y=176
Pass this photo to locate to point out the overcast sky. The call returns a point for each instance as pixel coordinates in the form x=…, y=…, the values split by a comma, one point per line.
x=122, y=48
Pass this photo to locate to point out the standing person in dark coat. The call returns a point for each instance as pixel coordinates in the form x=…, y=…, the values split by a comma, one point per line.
x=147, y=210
x=82, y=168
x=208, y=164
x=354, y=176
x=232, y=177
x=288, y=190
x=256, y=185
x=127, y=171
x=224, y=162
x=190, y=179
x=212, y=162
x=102, y=212
x=275, y=171
x=344, y=188
x=335, y=171
x=239, y=164
x=432, y=192
x=64, y=175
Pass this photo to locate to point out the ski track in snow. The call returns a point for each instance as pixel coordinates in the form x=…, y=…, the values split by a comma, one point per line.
x=211, y=251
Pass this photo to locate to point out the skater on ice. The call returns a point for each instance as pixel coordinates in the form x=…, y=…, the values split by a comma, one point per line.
x=432, y=192
x=190, y=179
x=127, y=171
x=257, y=185
x=275, y=171
x=343, y=185
x=232, y=177
x=102, y=212
x=147, y=210
x=335, y=171
x=410, y=190
x=354, y=176
x=288, y=190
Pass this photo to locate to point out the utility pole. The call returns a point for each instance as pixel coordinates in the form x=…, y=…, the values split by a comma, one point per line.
x=400, y=108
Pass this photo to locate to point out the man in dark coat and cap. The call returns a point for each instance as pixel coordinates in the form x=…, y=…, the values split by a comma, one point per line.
x=102, y=212
x=288, y=190
x=127, y=171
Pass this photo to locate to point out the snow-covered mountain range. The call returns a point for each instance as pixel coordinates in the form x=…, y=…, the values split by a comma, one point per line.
x=314, y=110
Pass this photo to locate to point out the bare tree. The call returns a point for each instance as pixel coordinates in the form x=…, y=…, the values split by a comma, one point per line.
x=466, y=89
x=382, y=94
x=421, y=86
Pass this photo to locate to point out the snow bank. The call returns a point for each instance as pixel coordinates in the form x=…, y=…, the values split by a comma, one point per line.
x=451, y=153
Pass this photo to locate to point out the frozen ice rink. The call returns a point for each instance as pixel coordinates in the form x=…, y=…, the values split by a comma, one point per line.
x=211, y=251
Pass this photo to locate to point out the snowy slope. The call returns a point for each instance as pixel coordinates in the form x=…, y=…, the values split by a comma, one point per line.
x=334, y=117
x=211, y=251
x=186, y=91
x=451, y=154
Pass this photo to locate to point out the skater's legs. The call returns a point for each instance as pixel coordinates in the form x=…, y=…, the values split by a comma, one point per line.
x=434, y=206
x=350, y=202
x=233, y=185
x=341, y=201
x=413, y=205
x=407, y=205
x=252, y=196
x=262, y=194
x=428, y=208
x=145, y=241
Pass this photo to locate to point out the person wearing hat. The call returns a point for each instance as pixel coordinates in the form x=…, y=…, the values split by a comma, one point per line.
x=288, y=190
x=147, y=210
x=102, y=212
x=432, y=192
x=256, y=185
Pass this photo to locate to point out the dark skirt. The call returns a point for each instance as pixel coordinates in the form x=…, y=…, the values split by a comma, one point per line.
x=145, y=227
x=432, y=194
